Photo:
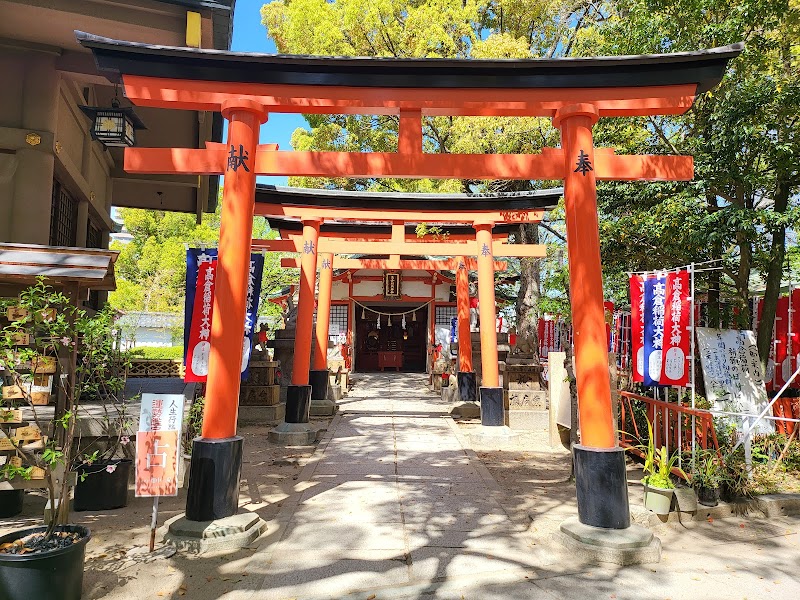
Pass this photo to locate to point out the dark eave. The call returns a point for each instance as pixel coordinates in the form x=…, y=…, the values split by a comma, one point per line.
x=539, y=199
x=356, y=228
x=703, y=67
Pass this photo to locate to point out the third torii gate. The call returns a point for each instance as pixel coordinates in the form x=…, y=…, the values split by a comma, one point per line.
x=573, y=92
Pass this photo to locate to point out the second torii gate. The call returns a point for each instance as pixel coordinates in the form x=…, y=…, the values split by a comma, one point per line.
x=317, y=249
x=573, y=92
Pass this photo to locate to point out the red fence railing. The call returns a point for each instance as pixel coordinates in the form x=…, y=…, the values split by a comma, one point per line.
x=672, y=424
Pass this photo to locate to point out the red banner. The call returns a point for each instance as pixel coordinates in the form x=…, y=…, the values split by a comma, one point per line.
x=200, y=334
x=783, y=369
x=608, y=316
x=548, y=338
x=794, y=333
x=677, y=310
x=637, y=327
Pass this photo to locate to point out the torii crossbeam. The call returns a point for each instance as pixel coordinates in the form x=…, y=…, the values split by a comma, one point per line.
x=573, y=92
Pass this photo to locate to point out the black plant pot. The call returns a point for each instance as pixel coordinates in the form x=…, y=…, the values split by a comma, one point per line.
x=101, y=490
x=11, y=502
x=708, y=496
x=53, y=575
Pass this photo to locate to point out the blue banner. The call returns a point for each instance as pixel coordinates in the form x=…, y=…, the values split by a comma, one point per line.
x=654, y=303
x=196, y=256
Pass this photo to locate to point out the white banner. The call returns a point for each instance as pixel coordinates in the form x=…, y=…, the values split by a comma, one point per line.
x=732, y=373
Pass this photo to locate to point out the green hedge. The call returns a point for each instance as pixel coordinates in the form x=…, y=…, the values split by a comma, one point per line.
x=163, y=353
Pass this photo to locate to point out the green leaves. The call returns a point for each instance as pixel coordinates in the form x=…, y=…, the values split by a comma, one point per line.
x=52, y=457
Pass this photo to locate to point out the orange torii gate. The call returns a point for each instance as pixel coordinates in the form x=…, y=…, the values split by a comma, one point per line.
x=573, y=92
x=311, y=206
x=398, y=240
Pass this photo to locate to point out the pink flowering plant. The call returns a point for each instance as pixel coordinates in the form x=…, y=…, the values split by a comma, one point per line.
x=51, y=346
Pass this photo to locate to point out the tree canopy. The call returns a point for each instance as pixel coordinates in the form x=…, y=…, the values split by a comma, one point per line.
x=151, y=268
x=743, y=201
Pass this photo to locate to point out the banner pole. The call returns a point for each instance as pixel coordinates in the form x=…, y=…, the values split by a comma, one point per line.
x=153, y=523
x=692, y=365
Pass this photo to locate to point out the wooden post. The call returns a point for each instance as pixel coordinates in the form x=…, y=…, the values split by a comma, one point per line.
x=486, y=305
x=233, y=269
x=323, y=311
x=219, y=450
x=599, y=464
x=586, y=282
x=462, y=302
x=305, y=302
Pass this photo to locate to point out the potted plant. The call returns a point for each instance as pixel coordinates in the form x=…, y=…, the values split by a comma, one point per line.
x=46, y=562
x=658, y=465
x=194, y=428
x=104, y=459
x=708, y=475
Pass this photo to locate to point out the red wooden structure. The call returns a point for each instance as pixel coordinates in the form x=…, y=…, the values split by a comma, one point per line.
x=573, y=92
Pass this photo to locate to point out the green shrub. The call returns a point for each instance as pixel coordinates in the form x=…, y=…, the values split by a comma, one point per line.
x=157, y=353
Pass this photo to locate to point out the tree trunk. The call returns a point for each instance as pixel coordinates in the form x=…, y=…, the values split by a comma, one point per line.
x=529, y=293
x=774, y=273
x=743, y=277
x=713, y=312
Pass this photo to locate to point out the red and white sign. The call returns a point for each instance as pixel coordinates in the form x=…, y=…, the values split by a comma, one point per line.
x=200, y=334
x=608, y=317
x=637, y=327
x=783, y=367
x=157, y=445
x=157, y=463
x=794, y=333
x=548, y=337
x=678, y=306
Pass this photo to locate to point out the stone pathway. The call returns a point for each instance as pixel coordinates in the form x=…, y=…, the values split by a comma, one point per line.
x=394, y=505
x=392, y=500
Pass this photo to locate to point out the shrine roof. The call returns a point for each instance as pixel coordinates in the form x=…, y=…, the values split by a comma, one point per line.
x=704, y=68
x=530, y=200
x=379, y=227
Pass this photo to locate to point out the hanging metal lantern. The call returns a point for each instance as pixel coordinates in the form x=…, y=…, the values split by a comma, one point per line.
x=115, y=126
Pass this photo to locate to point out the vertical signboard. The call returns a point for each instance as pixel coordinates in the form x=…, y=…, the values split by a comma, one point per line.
x=732, y=373
x=158, y=445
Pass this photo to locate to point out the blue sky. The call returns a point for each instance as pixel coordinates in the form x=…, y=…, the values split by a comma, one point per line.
x=249, y=35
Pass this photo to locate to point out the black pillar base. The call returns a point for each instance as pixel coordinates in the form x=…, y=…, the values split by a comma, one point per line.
x=467, y=386
x=319, y=384
x=492, y=407
x=214, y=479
x=602, y=487
x=298, y=403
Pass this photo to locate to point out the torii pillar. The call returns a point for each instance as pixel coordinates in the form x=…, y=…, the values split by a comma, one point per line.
x=467, y=382
x=295, y=429
x=491, y=393
x=319, y=375
x=217, y=455
x=600, y=475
